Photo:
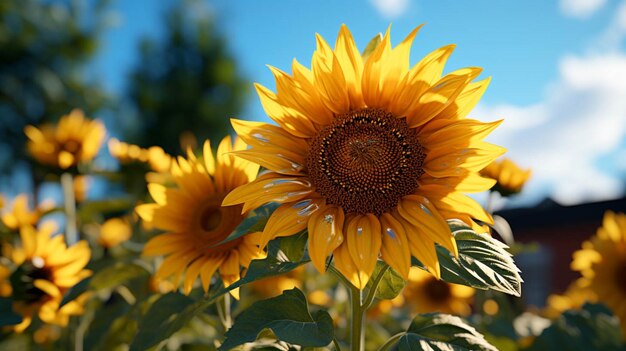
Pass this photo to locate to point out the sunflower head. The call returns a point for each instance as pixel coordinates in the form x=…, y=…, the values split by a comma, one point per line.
x=20, y=214
x=602, y=263
x=196, y=222
x=370, y=155
x=114, y=231
x=75, y=139
x=154, y=156
x=509, y=176
x=46, y=270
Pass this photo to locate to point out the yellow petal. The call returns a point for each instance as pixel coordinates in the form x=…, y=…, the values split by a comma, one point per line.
x=363, y=238
x=289, y=219
x=421, y=212
x=395, y=246
x=325, y=234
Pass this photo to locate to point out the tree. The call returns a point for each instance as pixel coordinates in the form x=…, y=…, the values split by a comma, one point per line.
x=44, y=47
x=188, y=83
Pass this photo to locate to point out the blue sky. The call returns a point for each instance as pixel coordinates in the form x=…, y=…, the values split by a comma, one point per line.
x=558, y=68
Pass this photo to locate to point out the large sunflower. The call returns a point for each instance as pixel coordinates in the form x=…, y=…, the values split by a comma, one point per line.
x=371, y=155
x=195, y=221
x=602, y=263
x=75, y=139
x=46, y=270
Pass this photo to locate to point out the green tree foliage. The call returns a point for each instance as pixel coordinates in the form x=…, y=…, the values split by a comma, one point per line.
x=44, y=47
x=185, y=83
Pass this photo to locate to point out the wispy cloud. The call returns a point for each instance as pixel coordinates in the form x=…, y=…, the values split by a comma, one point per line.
x=582, y=118
x=580, y=8
x=391, y=8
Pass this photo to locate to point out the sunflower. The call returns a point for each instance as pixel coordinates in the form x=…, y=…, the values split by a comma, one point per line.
x=114, y=231
x=75, y=139
x=195, y=221
x=574, y=297
x=602, y=263
x=370, y=155
x=154, y=156
x=46, y=270
x=509, y=176
x=20, y=213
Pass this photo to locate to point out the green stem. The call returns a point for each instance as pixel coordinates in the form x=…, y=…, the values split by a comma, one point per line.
x=371, y=294
x=389, y=343
x=336, y=344
x=69, y=203
x=357, y=317
x=223, y=311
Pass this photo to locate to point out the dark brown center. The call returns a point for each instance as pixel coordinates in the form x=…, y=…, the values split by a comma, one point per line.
x=71, y=146
x=366, y=161
x=210, y=219
x=23, y=281
x=437, y=290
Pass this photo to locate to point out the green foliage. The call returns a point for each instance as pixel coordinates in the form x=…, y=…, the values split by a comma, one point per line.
x=187, y=83
x=483, y=262
x=116, y=275
x=592, y=328
x=391, y=283
x=293, y=246
x=259, y=269
x=254, y=223
x=441, y=332
x=7, y=315
x=45, y=46
x=288, y=318
x=163, y=311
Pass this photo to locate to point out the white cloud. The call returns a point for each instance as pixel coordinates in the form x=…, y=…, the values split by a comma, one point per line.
x=582, y=118
x=391, y=8
x=580, y=8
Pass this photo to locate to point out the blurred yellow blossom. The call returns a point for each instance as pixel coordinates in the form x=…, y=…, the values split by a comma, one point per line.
x=73, y=140
x=509, y=176
x=20, y=214
x=114, y=231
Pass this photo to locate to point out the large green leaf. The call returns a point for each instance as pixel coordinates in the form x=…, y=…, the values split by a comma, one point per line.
x=116, y=275
x=7, y=315
x=289, y=319
x=293, y=246
x=441, y=332
x=259, y=269
x=483, y=262
x=592, y=328
x=163, y=311
x=391, y=283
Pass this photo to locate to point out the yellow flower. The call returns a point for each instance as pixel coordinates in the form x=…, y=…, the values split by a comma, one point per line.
x=602, y=263
x=46, y=270
x=20, y=214
x=576, y=295
x=424, y=293
x=510, y=178
x=73, y=140
x=113, y=232
x=154, y=156
x=195, y=221
x=371, y=155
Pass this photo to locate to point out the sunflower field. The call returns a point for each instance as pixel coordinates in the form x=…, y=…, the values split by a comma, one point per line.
x=368, y=209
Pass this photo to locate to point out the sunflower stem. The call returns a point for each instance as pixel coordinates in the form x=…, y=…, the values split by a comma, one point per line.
x=371, y=294
x=227, y=314
x=336, y=344
x=71, y=229
x=357, y=317
x=490, y=201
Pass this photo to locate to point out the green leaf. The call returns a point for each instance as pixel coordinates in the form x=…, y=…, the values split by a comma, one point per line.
x=89, y=210
x=441, y=332
x=163, y=311
x=258, y=269
x=371, y=46
x=99, y=331
x=7, y=315
x=592, y=328
x=390, y=285
x=483, y=262
x=293, y=245
x=116, y=275
x=76, y=290
x=254, y=223
x=287, y=316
